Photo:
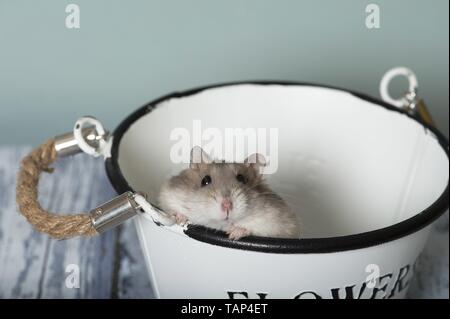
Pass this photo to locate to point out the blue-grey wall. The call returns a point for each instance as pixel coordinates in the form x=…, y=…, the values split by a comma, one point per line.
x=129, y=52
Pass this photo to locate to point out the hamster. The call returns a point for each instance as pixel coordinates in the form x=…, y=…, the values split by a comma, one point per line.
x=231, y=197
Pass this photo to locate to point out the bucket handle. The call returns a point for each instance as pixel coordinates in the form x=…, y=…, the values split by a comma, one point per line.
x=90, y=137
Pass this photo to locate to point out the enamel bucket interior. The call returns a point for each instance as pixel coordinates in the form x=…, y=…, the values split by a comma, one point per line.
x=346, y=164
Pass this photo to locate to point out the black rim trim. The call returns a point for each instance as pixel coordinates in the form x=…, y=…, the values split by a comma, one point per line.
x=275, y=245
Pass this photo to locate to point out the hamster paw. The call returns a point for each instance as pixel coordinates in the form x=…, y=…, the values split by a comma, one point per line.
x=180, y=218
x=236, y=232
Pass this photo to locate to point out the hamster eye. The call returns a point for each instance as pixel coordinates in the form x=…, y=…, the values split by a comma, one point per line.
x=241, y=178
x=206, y=180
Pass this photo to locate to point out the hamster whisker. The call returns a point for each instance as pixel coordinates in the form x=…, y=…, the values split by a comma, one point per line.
x=284, y=195
x=252, y=187
x=272, y=196
x=198, y=201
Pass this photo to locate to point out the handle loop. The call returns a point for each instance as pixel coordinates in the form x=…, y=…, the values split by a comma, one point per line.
x=57, y=226
x=100, y=145
x=387, y=78
x=410, y=102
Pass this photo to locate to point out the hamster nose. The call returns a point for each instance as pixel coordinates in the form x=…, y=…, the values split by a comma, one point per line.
x=227, y=205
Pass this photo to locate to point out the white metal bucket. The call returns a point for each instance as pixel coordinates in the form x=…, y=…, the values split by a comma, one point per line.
x=378, y=175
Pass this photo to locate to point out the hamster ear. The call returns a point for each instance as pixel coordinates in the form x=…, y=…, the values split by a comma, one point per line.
x=256, y=161
x=198, y=157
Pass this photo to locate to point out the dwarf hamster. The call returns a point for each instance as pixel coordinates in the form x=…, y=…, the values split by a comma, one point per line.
x=231, y=197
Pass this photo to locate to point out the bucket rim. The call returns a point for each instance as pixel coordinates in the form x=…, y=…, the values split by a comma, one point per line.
x=280, y=245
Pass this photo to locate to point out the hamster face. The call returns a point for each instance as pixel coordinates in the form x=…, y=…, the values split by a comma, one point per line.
x=228, y=196
x=215, y=194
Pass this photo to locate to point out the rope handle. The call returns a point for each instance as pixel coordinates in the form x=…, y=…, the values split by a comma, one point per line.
x=88, y=136
x=57, y=226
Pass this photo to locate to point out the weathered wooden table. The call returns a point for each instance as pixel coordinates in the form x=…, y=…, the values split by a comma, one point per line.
x=111, y=265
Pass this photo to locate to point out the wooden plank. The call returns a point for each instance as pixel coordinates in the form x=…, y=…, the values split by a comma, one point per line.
x=134, y=280
x=22, y=250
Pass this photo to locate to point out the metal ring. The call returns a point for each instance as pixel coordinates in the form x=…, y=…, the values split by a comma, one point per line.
x=82, y=143
x=388, y=76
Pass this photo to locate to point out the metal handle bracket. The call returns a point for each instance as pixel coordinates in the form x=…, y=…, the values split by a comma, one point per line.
x=114, y=212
